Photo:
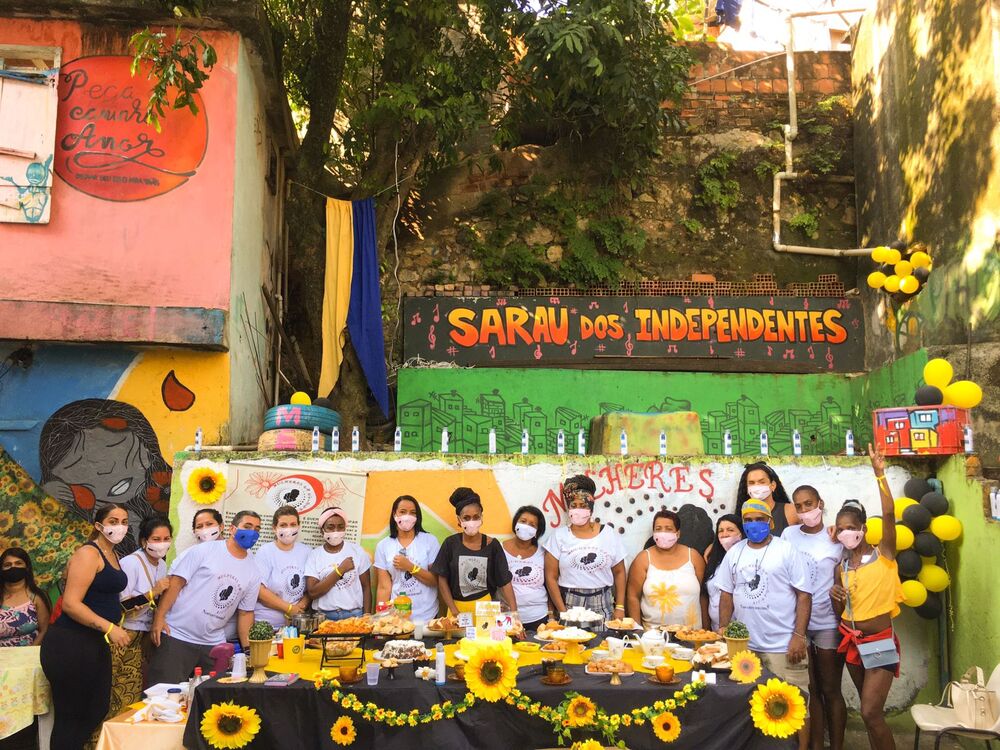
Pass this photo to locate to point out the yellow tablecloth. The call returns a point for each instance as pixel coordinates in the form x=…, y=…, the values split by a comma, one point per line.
x=24, y=691
x=120, y=734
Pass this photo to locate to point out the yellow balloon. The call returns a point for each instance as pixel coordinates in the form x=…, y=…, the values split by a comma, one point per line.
x=938, y=372
x=878, y=254
x=934, y=577
x=891, y=284
x=904, y=538
x=964, y=394
x=876, y=279
x=301, y=398
x=920, y=259
x=901, y=504
x=914, y=593
x=909, y=285
x=903, y=269
x=928, y=560
x=874, y=534
x=892, y=257
x=946, y=528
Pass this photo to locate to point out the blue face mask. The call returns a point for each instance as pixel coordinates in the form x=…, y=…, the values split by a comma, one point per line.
x=757, y=531
x=246, y=538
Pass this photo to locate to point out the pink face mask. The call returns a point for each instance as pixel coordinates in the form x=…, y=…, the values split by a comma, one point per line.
x=405, y=523
x=812, y=517
x=665, y=539
x=850, y=538
x=759, y=491
x=471, y=528
x=579, y=516
x=728, y=541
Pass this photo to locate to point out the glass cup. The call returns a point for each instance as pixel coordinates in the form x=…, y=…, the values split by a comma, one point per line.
x=349, y=672
x=373, y=669
x=460, y=671
x=665, y=672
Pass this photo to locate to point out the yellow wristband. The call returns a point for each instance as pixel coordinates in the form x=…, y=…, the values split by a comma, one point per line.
x=415, y=569
x=288, y=613
x=108, y=632
x=336, y=569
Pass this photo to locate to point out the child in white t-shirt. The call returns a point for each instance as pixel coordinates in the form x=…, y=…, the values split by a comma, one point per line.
x=337, y=574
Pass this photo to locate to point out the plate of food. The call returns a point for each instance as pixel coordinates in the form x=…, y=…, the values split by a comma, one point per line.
x=402, y=652
x=546, y=629
x=573, y=635
x=712, y=656
x=696, y=636
x=609, y=666
x=442, y=627
x=526, y=647
x=624, y=623
x=391, y=625
x=347, y=626
x=554, y=647
x=581, y=617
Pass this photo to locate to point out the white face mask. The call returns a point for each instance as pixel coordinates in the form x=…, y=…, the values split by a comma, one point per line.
x=208, y=533
x=157, y=549
x=405, y=523
x=728, y=541
x=759, y=491
x=114, y=533
x=287, y=534
x=812, y=517
x=525, y=532
x=579, y=516
x=665, y=539
x=472, y=527
x=334, y=538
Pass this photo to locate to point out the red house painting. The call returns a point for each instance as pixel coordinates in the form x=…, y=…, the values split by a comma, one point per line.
x=919, y=430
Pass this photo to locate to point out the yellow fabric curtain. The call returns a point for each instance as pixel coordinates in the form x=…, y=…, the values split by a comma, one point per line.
x=336, y=289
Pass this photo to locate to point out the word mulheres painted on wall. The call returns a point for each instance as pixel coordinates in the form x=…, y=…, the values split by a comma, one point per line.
x=816, y=333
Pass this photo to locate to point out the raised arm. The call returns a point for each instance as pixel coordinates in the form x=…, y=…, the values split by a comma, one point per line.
x=887, y=547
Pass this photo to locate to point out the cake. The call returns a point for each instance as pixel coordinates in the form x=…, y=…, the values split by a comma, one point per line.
x=404, y=650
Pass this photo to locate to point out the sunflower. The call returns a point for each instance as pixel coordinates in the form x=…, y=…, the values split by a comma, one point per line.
x=581, y=711
x=205, y=485
x=226, y=725
x=666, y=726
x=6, y=521
x=746, y=667
x=343, y=731
x=491, y=673
x=587, y=745
x=777, y=709
x=30, y=511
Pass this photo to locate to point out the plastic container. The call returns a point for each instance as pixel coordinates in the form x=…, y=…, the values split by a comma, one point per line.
x=440, y=671
x=239, y=670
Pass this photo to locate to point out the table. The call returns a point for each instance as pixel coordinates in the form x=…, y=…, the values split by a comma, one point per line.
x=24, y=693
x=300, y=716
x=121, y=734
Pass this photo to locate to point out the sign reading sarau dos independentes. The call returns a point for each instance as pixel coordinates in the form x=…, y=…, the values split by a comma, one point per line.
x=793, y=333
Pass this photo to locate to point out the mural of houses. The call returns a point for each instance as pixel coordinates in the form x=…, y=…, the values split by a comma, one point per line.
x=920, y=430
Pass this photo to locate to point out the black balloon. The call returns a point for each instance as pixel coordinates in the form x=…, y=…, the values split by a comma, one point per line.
x=922, y=274
x=909, y=563
x=926, y=545
x=930, y=609
x=916, y=488
x=935, y=502
x=917, y=517
x=928, y=395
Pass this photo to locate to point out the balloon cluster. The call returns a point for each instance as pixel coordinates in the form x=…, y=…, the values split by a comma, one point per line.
x=940, y=390
x=903, y=270
x=921, y=527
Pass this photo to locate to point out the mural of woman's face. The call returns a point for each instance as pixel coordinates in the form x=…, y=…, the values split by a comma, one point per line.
x=109, y=464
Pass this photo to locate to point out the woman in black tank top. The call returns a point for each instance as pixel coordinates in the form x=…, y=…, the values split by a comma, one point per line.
x=76, y=652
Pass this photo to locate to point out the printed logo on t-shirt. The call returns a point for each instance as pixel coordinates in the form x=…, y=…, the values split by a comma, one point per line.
x=294, y=582
x=471, y=574
x=347, y=579
x=526, y=573
x=813, y=567
x=751, y=585
x=228, y=590
x=589, y=559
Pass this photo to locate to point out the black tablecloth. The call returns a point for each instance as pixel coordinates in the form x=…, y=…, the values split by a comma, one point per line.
x=299, y=716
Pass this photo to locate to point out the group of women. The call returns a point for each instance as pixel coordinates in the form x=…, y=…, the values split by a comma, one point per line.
x=108, y=603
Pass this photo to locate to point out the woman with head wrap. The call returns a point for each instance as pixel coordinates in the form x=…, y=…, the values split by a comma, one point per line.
x=585, y=561
x=338, y=578
x=471, y=566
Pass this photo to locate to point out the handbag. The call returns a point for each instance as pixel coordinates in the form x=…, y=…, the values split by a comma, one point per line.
x=976, y=706
x=880, y=653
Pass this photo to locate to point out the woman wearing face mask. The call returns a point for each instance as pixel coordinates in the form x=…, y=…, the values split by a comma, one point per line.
x=147, y=580
x=810, y=538
x=337, y=574
x=403, y=559
x=664, y=584
x=585, y=561
x=76, y=652
x=728, y=531
x=470, y=566
x=760, y=482
x=282, y=567
x=526, y=561
x=24, y=608
x=866, y=596
x=206, y=527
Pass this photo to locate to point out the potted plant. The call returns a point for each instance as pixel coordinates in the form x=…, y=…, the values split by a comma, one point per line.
x=737, y=638
x=261, y=634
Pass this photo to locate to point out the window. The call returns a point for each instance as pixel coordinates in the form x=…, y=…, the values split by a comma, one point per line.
x=925, y=417
x=28, y=104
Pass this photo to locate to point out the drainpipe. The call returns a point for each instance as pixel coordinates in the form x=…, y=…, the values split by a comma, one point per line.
x=791, y=132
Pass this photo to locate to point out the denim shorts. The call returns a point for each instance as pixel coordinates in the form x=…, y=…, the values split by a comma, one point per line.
x=342, y=614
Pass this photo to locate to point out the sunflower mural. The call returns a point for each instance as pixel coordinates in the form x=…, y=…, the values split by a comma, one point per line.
x=491, y=673
x=228, y=726
x=777, y=709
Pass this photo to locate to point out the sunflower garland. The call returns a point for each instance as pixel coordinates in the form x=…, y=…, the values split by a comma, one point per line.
x=228, y=726
x=587, y=745
x=777, y=709
x=666, y=726
x=580, y=711
x=491, y=673
x=343, y=732
x=746, y=668
x=206, y=485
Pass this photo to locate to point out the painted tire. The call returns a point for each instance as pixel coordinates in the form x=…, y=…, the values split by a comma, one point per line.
x=296, y=417
x=290, y=440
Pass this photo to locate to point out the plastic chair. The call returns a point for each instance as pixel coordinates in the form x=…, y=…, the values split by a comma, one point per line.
x=943, y=721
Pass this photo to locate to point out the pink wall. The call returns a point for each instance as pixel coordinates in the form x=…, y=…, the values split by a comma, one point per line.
x=170, y=250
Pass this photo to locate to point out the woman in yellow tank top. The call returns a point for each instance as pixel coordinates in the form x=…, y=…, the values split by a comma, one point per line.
x=866, y=595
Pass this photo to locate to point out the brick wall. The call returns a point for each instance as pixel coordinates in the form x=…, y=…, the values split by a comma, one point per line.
x=756, y=95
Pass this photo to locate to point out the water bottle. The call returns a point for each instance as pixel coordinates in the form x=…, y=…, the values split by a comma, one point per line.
x=663, y=442
x=623, y=443
x=561, y=443
x=849, y=443
x=727, y=443
x=581, y=443
x=796, y=443
x=239, y=670
x=440, y=674
x=763, y=443
x=444, y=440
x=198, y=434
x=315, y=439
x=524, y=442
x=397, y=440
x=192, y=684
x=493, y=441
x=335, y=439
x=355, y=439
x=967, y=438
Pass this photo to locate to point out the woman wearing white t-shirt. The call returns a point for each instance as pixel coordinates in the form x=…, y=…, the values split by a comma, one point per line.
x=337, y=574
x=664, y=584
x=282, y=567
x=585, y=562
x=728, y=532
x=403, y=559
x=826, y=668
x=526, y=560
